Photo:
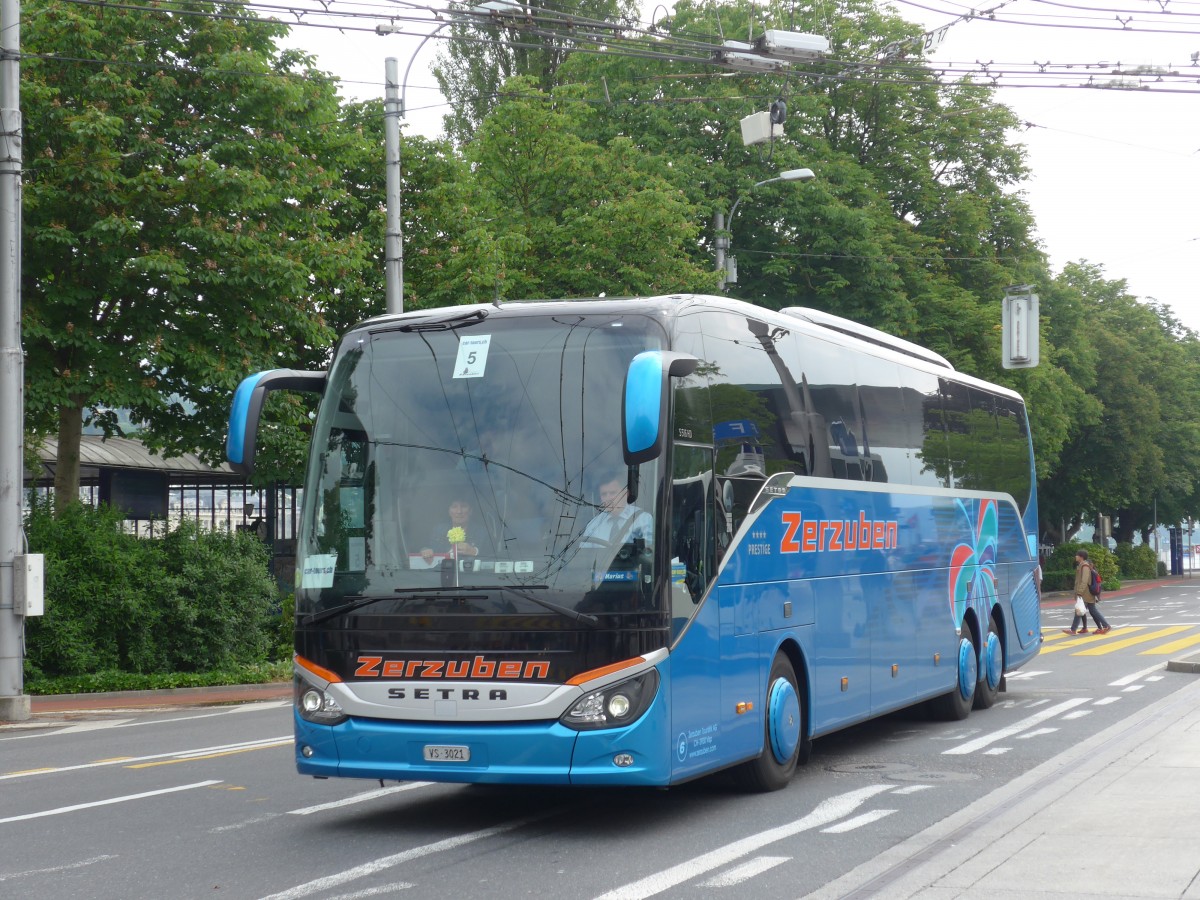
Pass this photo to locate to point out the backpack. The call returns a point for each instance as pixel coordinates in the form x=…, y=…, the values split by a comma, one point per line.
x=1094, y=583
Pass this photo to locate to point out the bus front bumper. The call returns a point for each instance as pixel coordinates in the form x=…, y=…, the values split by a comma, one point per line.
x=499, y=753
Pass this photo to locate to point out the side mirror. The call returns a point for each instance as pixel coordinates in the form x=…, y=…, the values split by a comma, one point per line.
x=644, y=405
x=247, y=407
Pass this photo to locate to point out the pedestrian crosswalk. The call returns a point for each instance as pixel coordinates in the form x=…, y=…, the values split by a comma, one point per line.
x=1151, y=641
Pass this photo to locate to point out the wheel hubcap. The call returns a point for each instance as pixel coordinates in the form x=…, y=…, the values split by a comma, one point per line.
x=994, y=667
x=783, y=719
x=968, y=668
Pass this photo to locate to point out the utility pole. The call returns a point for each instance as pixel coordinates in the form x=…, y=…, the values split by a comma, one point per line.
x=393, y=110
x=720, y=245
x=14, y=703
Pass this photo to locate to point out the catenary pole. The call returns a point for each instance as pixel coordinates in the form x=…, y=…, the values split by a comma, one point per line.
x=14, y=703
x=393, y=110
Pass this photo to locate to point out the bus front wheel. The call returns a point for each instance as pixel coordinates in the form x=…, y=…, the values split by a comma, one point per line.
x=783, y=737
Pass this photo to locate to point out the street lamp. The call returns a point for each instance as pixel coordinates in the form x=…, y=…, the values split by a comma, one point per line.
x=725, y=236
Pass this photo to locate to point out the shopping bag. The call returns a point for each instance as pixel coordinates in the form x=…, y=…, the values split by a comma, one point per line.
x=1080, y=608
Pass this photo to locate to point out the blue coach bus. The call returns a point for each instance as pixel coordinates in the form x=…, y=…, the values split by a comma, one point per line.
x=634, y=542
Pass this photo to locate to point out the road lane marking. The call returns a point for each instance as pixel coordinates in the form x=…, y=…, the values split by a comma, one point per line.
x=56, y=869
x=384, y=890
x=1037, y=732
x=1109, y=645
x=122, y=760
x=386, y=862
x=358, y=798
x=745, y=871
x=827, y=812
x=192, y=757
x=1105, y=701
x=858, y=821
x=78, y=806
x=1136, y=676
x=1024, y=725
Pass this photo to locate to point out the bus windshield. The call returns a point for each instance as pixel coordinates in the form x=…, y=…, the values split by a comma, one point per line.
x=479, y=467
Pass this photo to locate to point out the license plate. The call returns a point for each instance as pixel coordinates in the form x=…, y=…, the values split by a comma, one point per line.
x=443, y=753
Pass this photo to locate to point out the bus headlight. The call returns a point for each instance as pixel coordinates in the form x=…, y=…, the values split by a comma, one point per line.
x=316, y=705
x=613, y=706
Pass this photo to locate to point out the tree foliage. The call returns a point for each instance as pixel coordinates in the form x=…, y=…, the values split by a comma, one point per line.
x=183, y=218
x=201, y=206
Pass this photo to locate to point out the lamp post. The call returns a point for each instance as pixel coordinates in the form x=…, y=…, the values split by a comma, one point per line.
x=725, y=235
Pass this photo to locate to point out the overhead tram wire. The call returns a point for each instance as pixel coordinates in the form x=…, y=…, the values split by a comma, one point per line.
x=689, y=51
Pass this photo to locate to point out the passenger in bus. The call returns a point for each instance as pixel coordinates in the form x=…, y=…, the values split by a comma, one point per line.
x=456, y=536
x=618, y=522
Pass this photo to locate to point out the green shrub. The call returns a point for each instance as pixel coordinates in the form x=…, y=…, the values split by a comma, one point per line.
x=1058, y=572
x=192, y=601
x=1137, y=562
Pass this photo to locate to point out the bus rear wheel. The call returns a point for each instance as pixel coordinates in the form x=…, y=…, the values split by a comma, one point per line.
x=783, y=736
x=991, y=668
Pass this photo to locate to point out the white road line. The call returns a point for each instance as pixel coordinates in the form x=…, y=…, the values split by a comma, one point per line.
x=132, y=760
x=109, y=802
x=1037, y=732
x=1024, y=725
x=913, y=789
x=1132, y=687
x=828, y=811
x=996, y=751
x=858, y=821
x=54, y=869
x=384, y=890
x=1017, y=676
x=1130, y=679
x=745, y=871
x=358, y=798
x=386, y=862
x=1078, y=714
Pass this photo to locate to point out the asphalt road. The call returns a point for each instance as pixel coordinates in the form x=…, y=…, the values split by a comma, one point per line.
x=205, y=802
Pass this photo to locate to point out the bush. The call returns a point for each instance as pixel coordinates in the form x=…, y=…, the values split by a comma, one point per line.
x=1137, y=562
x=192, y=601
x=1058, y=573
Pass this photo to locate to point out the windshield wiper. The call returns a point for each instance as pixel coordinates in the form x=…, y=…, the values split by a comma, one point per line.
x=553, y=607
x=447, y=324
x=357, y=601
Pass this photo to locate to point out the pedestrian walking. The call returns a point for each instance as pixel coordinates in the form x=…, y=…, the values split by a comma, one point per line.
x=1086, y=598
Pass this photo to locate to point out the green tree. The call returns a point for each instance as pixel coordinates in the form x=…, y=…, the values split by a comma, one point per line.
x=576, y=218
x=181, y=218
x=492, y=49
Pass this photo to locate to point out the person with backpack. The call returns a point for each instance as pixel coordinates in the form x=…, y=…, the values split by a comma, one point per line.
x=1087, y=589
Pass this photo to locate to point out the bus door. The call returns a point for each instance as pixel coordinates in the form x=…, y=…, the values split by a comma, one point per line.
x=705, y=650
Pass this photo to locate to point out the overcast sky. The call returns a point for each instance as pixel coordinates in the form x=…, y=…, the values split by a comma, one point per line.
x=1116, y=173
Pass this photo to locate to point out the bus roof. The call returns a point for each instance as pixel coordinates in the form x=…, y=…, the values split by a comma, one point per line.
x=846, y=332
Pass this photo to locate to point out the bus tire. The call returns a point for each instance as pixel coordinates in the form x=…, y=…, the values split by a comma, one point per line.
x=956, y=705
x=991, y=668
x=783, y=733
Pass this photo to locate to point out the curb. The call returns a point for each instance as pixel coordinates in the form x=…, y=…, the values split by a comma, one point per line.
x=194, y=696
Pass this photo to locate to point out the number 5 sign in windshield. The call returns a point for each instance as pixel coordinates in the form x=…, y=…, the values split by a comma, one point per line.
x=472, y=356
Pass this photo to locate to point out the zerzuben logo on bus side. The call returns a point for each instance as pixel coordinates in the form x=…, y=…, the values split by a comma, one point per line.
x=479, y=667
x=834, y=535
